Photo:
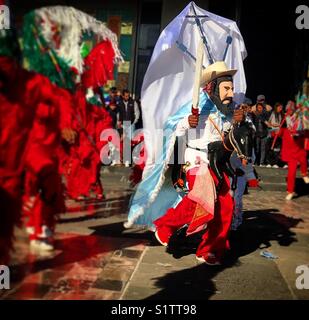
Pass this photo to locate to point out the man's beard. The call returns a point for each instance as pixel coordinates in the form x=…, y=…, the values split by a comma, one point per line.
x=227, y=109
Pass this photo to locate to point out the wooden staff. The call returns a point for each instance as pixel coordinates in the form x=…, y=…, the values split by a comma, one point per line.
x=277, y=134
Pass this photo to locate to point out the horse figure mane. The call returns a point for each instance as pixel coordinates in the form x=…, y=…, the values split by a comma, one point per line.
x=240, y=140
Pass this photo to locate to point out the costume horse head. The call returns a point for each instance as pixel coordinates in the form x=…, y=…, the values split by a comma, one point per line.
x=240, y=140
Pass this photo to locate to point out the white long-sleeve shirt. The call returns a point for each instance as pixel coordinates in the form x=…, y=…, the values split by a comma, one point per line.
x=201, y=136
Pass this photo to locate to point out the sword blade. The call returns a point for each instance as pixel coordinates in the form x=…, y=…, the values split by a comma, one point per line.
x=198, y=74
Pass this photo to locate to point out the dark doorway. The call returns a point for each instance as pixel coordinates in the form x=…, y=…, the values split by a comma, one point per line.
x=148, y=34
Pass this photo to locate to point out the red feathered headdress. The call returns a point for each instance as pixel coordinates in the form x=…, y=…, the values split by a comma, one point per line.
x=99, y=65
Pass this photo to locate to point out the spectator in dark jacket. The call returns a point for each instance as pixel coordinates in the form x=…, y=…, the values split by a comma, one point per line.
x=260, y=118
x=128, y=117
x=114, y=113
x=128, y=109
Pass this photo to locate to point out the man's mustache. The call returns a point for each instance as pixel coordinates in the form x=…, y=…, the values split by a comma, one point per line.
x=227, y=99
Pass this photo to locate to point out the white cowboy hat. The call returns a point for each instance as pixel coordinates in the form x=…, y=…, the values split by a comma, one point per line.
x=214, y=71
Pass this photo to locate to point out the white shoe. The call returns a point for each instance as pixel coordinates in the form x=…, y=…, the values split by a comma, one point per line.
x=127, y=164
x=268, y=166
x=159, y=240
x=276, y=166
x=30, y=230
x=41, y=245
x=46, y=232
x=290, y=196
x=306, y=179
x=115, y=163
x=211, y=260
x=285, y=166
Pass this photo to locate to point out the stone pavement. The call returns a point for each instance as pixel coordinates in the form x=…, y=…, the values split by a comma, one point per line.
x=88, y=263
x=275, y=179
x=270, y=224
x=96, y=258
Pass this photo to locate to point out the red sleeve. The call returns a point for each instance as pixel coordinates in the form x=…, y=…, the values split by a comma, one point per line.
x=86, y=150
x=42, y=90
x=39, y=95
x=65, y=102
x=104, y=123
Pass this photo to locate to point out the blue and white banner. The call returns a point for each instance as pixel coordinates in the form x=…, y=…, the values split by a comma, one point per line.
x=168, y=89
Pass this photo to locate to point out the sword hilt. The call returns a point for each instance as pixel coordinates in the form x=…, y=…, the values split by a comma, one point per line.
x=194, y=111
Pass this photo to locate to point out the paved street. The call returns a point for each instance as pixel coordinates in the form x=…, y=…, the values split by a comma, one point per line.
x=96, y=258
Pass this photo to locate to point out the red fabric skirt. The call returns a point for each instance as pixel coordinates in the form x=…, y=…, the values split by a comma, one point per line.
x=215, y=238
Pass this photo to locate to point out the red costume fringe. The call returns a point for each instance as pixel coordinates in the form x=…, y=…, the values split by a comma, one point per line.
x=31, y=120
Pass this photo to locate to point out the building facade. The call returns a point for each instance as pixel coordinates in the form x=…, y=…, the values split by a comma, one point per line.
x=276, y=48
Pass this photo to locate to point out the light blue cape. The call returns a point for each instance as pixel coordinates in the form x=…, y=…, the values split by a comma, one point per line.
x=155, y=194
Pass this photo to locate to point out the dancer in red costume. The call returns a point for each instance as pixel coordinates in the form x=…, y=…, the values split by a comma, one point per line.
x=90, y=121
x=217, y=81
x=293, y=151
x=90, y=118
x=139, y=158
x=27, y=100
x=43, y=198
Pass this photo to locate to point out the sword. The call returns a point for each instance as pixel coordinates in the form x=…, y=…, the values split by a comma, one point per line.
x=229, y=40
x=202, y=32
x=197, y=77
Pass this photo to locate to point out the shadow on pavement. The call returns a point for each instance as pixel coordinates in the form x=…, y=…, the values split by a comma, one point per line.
x=301, y=188
x=259, y=228
x=194, y=283
x=117, y=230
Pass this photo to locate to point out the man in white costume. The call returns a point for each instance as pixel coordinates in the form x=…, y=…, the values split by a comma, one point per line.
x=173, y=66
x=217, y=81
